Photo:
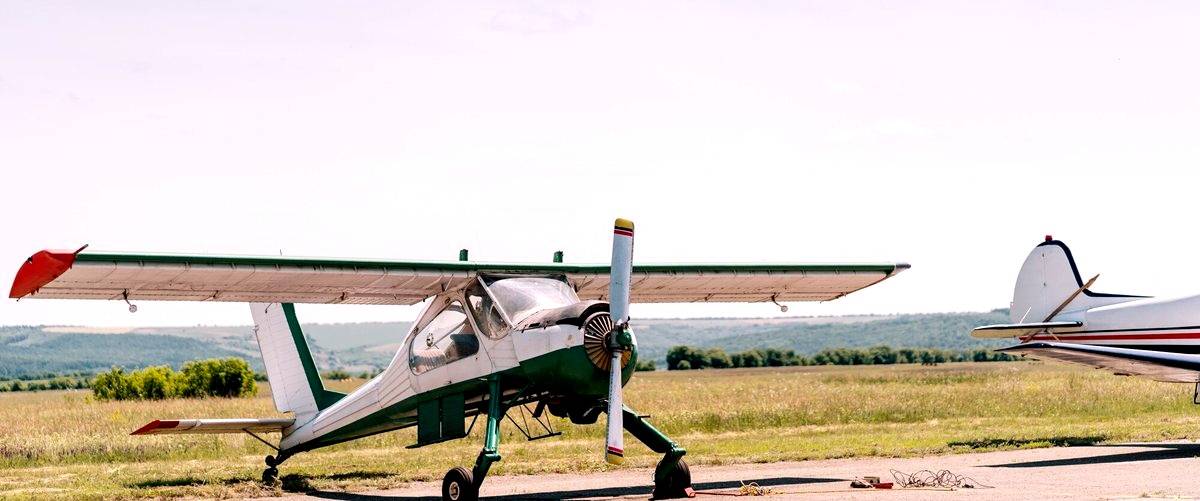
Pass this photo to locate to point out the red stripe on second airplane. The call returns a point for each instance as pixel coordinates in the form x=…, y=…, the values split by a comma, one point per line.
x=1117, y=337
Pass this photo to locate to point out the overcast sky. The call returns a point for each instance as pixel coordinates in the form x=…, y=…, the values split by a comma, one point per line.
x=949, y=135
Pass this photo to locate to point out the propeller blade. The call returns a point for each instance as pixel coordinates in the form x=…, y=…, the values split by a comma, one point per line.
x=618, y=301
x=622, y=268
x=614, y=451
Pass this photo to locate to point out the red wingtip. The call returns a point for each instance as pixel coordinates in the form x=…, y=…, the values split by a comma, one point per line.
x=41, y=269
x=157, y=424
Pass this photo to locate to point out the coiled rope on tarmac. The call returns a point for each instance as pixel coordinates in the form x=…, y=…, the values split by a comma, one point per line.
x=941, y=478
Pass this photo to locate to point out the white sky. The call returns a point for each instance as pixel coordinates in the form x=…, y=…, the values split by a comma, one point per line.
x=949, y=135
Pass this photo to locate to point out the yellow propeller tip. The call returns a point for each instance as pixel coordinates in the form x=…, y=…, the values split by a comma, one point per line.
x=623, y=224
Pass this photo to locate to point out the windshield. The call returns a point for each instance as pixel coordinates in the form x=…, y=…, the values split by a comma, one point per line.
x=524, y=296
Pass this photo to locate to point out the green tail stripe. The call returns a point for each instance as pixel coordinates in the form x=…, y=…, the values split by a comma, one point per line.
x=323, y=397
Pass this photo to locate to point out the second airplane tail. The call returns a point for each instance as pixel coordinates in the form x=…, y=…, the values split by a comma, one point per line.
x=1049, y=283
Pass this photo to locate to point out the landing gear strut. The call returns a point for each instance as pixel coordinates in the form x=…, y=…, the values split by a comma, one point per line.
x=672, y=479
x=462, y=484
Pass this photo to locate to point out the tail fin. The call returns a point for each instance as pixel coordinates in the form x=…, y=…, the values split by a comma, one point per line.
x=295, y=383
x=1049, y=277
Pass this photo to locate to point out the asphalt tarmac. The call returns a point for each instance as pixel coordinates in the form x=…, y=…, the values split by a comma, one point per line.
x=1168, y=470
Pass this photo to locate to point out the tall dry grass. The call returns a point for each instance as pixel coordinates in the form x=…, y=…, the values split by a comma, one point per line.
x=68, y=444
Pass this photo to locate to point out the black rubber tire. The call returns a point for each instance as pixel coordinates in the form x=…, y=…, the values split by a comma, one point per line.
x=459, y=485
x=270, y=476
x=677, y=483
x=270, y=460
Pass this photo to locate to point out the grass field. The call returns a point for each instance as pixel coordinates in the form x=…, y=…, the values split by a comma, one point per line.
x=64, y=444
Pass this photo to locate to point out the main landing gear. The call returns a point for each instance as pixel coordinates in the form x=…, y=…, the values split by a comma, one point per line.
x=672, y=478
x=461, y=484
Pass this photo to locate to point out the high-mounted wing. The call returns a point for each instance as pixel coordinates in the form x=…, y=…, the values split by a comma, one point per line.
x=736, y=283
x=1158, y=365
x=108, y=275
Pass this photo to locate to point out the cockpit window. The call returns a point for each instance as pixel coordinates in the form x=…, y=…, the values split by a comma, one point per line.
x=487, y=313
x=448, y=337
x=524, y=296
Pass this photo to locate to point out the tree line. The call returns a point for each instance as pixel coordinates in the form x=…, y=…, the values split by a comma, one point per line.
x=224, y=377
x=53, y=383
x=687, y=357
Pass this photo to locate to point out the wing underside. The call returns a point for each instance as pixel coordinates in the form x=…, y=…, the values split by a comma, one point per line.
x=1157, y=365
x=114, y=276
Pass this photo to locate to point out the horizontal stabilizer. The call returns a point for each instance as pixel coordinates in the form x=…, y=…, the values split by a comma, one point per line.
x=1020, y=330
x=165, y=426
x=1158, y=365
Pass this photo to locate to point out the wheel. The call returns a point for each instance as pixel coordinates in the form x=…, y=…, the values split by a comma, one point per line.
x=459, y=485
x=678, y=483
x=270, y=476
x=271, y=462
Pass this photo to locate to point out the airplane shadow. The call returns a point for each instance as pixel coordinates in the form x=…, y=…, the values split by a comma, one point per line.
x=584, y=493
x=1160, y=452
x=1059, y=441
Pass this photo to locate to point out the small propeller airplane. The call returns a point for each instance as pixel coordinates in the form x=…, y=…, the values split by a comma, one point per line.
x=493, y=338
x=1056, y=316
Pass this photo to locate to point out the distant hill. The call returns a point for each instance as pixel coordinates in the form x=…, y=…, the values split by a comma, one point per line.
x=27, y=351
x=811, y=335
x=33, y=350
x=356, y=335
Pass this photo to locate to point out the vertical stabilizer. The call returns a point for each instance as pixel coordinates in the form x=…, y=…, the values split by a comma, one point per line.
x=295, y=383
x=1047, y=279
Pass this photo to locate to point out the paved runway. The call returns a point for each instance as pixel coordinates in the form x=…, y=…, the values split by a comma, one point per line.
x=1168, y=470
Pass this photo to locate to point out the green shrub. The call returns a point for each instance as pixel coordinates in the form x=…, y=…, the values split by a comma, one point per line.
x=224, y=377
x=112, y=385
x=156, y=383
x=229, y=377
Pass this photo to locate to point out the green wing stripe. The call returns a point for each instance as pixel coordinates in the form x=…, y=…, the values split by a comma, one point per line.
x=109, y=257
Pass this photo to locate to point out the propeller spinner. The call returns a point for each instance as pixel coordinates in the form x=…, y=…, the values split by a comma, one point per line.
x=619, y=339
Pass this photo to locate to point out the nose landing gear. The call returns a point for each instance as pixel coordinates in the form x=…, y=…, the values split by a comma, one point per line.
x=676, y=483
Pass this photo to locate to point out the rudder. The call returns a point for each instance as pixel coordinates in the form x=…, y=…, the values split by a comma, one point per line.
x=295, y=383
x=1048, y=277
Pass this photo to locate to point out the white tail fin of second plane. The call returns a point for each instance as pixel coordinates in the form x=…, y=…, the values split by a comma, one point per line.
x=1047, y=279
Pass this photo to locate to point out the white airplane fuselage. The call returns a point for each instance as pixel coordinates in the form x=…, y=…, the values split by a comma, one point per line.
x=544, y=357
x=1160, y=324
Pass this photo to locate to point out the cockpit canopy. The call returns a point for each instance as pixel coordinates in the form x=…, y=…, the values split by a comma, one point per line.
x=521, y=297
x=496, y=304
